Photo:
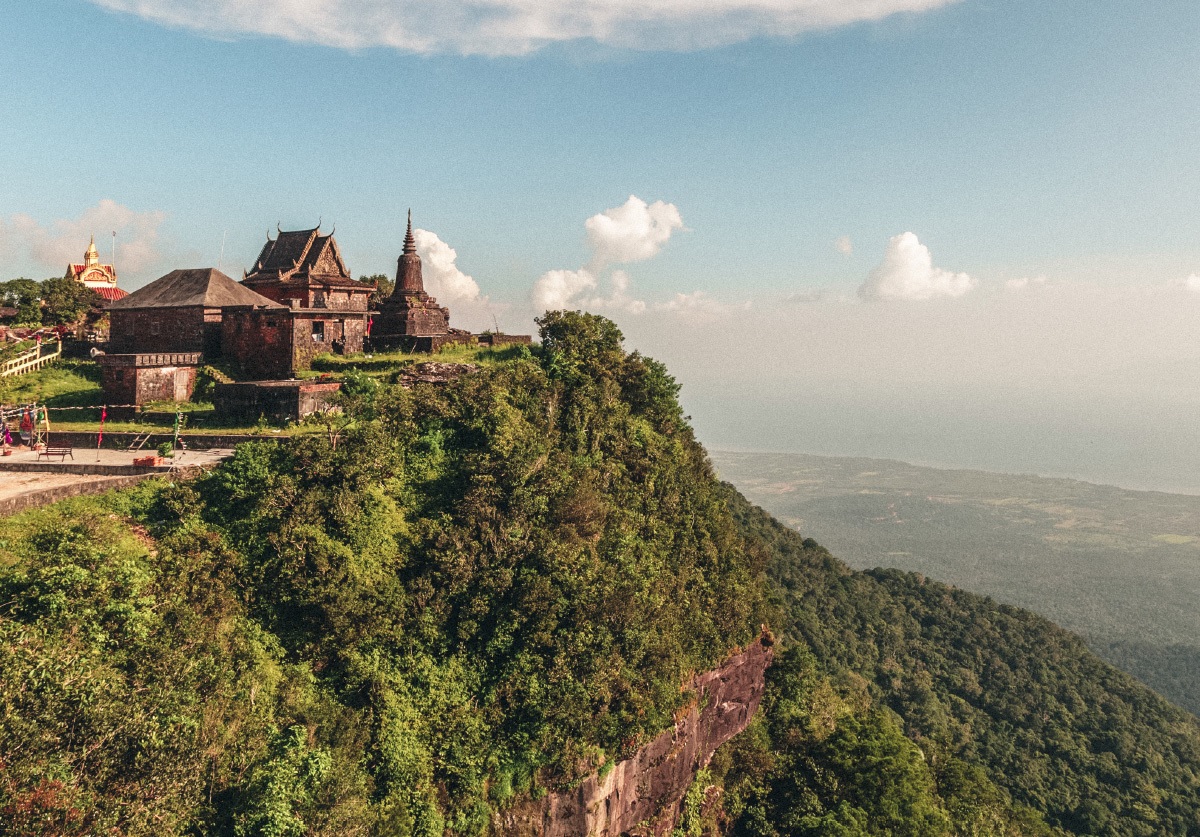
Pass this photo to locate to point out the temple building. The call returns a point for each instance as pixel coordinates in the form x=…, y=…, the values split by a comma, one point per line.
x=411, y=319
x=304, y=270
x=162, y=332
x=101, y=278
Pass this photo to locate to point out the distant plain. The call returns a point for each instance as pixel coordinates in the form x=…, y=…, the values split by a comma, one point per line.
x=1120, y=567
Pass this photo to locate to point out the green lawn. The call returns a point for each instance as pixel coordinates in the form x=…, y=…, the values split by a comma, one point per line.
x=384, y=364
x=71, y=389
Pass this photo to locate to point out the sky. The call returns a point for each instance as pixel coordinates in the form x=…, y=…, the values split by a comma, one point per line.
x=956, y=232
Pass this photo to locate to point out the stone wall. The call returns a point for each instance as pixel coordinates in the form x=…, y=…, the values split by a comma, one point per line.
x=138, y=379
x=272, y=344
x=156, y=330
x=274, y=400
x=46, y=496
x=643, y=794
x=495, y=338
x=259, y=340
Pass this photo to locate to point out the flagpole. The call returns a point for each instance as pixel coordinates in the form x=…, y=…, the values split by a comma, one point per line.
x=100, y=435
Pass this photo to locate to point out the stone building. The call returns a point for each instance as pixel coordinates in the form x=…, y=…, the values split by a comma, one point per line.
x=160, y=333
x=180, y=312
x=411, y=319
x=101, y=278
x=304, y=271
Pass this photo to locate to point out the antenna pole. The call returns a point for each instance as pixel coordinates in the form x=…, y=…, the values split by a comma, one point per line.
x=114, y=253
x=221, y=258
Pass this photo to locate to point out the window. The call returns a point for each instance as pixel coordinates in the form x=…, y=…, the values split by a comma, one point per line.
x=318, y=331
x=154, y=326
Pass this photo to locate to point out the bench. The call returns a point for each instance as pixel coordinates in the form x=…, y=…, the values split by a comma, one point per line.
x=61, y=453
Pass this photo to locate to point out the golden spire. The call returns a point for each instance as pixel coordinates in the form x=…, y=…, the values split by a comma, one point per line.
x=91, y=257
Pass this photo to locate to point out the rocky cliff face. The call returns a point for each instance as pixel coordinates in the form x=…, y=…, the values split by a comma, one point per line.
x=642, y=795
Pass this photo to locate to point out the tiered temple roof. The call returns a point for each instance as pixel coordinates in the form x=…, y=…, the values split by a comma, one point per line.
x=301, y=257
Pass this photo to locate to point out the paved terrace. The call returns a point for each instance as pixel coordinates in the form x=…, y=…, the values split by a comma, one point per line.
x=106, y=462
x=27, y=481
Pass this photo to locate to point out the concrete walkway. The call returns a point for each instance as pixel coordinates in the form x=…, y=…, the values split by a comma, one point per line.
x=106, y=462
x=27, y=482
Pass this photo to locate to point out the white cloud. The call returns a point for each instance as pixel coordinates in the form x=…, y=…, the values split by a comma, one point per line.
x=698, y=306
x=469, y=308
x=63, y=241
x=513, y=27
x=1024, y=282
x=1192, y=283
x=632, y=232
x=557, y=289
x=439, y=269
x=844, y=245
x=907, y=272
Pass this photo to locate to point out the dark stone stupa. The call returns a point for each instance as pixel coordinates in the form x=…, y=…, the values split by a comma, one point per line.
x=411, y=319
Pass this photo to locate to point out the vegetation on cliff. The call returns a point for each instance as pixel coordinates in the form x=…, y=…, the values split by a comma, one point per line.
x=489, y=589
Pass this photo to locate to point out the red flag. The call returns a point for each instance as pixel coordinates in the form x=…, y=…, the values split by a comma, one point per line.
x=100, y=435
x=370, y=322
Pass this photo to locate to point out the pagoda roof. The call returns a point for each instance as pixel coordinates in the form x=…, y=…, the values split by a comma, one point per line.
x=75, y=271
x=204, y=286
x=111, y=294
x=303, y=257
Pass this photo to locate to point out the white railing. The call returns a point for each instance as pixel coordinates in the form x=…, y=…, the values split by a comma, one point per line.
x=35, y=358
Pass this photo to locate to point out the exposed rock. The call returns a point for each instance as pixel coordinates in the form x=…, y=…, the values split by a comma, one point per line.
x=643, y=794
x=434, y=372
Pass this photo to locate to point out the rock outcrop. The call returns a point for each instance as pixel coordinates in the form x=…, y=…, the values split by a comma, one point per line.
x=642, y=795
x=433, y=372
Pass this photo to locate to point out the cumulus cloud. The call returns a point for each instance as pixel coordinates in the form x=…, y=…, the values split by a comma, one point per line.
x=453, y=288
x=557, y=289
x=907, y=272
x=1024, y=282
x=632, y=232
x=512, y=27
x=844, y=245
x=60, y=242
x=1192, y=283
x=440, y=271
x=698, y=307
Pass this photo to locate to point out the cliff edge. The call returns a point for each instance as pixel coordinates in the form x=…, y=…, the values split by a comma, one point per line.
x=642, y=794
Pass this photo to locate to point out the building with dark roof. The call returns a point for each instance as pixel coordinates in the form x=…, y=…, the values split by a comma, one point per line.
x=179, y=312
x=304, y=269
x=160, y=334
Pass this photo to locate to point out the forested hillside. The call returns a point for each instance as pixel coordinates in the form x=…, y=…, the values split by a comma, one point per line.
x=487, y=590
x=1119, y=567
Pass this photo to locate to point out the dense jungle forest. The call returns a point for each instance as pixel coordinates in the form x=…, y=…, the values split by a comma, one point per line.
x=477, y=593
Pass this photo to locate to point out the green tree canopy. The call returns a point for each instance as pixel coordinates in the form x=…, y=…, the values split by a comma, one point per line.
x=65, y=301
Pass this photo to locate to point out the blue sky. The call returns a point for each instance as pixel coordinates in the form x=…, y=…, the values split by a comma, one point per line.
x=1046, y=143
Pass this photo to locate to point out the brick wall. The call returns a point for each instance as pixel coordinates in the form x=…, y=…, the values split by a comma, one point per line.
x=157, y=330
x=259, y=340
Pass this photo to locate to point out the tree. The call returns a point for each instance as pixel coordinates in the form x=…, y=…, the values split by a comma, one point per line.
x=26, y=296
x=65, y=301
x=383, y=287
